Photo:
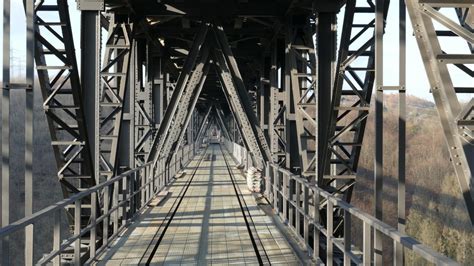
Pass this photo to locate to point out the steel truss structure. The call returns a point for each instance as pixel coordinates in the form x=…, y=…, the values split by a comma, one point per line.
x=271, y=75
x=113, y=75
x=58, y=76
x=455, y=118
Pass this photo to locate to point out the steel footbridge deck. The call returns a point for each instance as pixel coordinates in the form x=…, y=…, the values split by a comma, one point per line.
x=223, y=131
x=207, y=216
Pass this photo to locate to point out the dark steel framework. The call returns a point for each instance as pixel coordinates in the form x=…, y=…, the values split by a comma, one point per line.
x=270, y=74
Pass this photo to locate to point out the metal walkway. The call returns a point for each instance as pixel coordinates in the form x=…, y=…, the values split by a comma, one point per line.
x=205, y=219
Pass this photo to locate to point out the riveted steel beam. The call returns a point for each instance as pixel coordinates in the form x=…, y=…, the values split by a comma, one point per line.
x=186, y=104
x=241, y=92
x=201, y=73
x=114, y=78
x=453, y=115
x=61, y=89
x=171, y=110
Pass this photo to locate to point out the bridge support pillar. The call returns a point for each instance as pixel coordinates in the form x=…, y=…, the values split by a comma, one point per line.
x=90, y=58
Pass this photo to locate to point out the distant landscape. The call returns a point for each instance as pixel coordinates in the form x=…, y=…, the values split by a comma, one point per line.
x=436, y=213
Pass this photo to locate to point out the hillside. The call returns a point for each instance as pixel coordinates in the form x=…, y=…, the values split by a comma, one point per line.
x=436, y=214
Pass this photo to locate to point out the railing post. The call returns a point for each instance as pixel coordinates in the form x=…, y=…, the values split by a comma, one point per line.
x=93, y=232
x=115, y=204
x=105, y=229
x=57, y=236
x=285, y=198
x=267, y=180
x=77, y=232
x=131, y=198
x=330, y=230
x=367, y=245
x=142, y=188
x=306, y=212
x=29, y=232
x=153, y=178
x=123, y=201
x=160, y=175
x=275, y=189
x=316, y=233
x=165, y=172
x=271, y=180
x=291, y=208
x=150, y=182
x=148, y=186
x=298, y=205
x=347, y=238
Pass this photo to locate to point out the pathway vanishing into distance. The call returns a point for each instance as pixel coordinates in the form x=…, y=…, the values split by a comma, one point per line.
x=208, y=226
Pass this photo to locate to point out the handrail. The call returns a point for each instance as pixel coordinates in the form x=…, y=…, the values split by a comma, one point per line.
x=147, y=188
x=20, y=224
x=281, y=196
x=407, y=241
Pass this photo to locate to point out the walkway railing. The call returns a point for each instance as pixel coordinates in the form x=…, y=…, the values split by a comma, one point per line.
x=131, y=192
x=296, y=208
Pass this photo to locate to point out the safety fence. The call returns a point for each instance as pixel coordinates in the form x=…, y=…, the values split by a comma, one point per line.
x=308, y=211
x=240, y=154
x=127, y=195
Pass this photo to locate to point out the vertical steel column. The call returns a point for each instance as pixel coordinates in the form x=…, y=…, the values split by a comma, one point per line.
x=30, y=49
x=6, y=131
x=304, y=86
x=114, y=80
x=90, y=65
x=326, y=49
x=144, y=116
x=399, y=251
x=274, y=104
x=378, y=167
x=264, y=95
x=290, y=125
x=128, y=143
x=158, y=88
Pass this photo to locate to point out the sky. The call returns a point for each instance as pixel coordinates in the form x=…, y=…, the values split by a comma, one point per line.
x=417, y=83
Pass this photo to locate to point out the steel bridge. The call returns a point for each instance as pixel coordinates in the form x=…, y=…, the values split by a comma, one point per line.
x=155, y=118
